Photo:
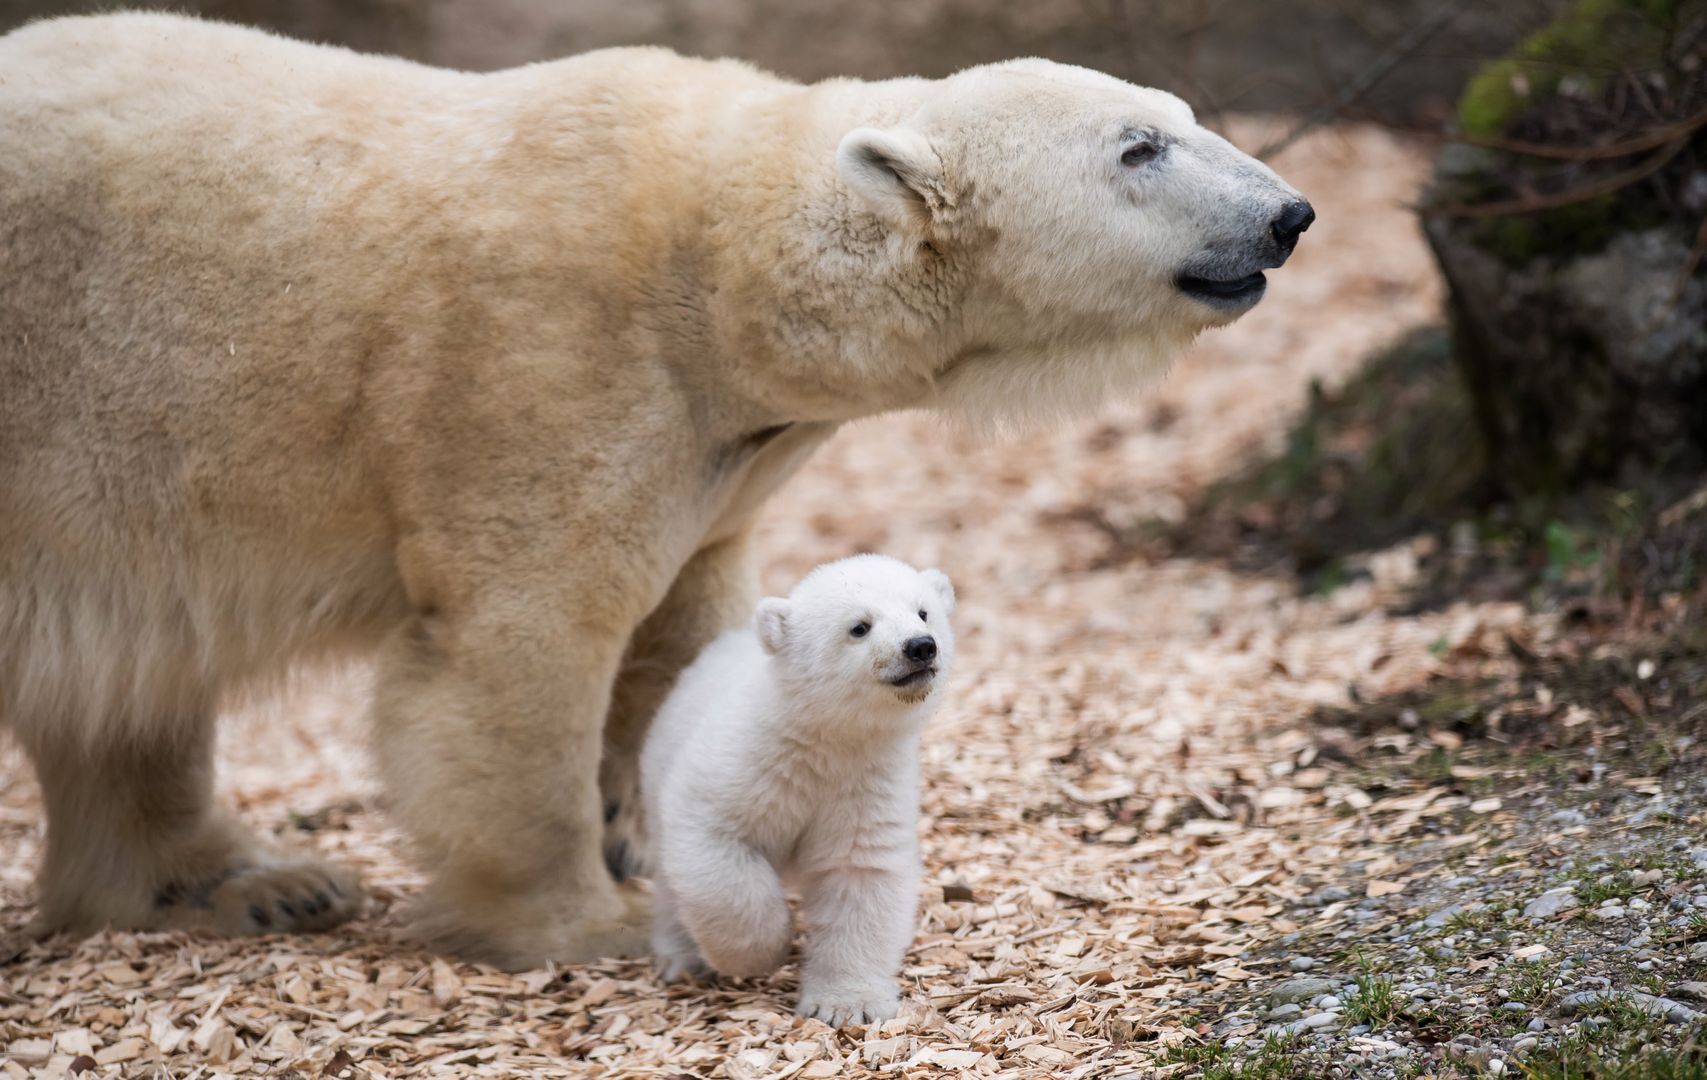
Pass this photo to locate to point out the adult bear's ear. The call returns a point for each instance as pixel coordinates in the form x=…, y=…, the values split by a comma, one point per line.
x=938, y=580
x=895, y=172
x=770, y=622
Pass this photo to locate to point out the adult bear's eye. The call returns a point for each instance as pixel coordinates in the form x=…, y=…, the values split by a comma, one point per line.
x=923, y=617
x=860, y=629
x=1139, y=153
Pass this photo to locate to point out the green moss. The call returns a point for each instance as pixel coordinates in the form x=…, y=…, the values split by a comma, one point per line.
x=1591, y=40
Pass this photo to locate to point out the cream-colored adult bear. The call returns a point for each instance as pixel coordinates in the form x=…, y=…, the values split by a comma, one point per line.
x=303, y=351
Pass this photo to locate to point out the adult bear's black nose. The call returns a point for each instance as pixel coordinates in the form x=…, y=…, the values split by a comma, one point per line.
x=920, y=650
x=1291, y=223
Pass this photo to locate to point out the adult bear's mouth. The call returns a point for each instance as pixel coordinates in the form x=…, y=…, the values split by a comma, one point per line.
x=1228, y=292
x=914, y=679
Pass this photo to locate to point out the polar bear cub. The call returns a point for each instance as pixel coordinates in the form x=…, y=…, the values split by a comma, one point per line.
x=788, y=752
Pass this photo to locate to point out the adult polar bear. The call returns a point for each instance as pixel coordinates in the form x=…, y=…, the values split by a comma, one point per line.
x=302, y=350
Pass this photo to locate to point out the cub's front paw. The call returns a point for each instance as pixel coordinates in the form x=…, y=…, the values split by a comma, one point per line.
x=844, y=1006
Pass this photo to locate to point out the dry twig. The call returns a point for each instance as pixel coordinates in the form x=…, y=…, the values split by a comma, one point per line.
x=1371, y=76
x=1531, y=204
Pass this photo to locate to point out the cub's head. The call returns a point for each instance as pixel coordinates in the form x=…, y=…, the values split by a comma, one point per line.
x=866, y=630
x=1097, y=227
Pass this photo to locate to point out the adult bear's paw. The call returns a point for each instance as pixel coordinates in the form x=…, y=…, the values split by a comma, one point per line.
x=625, y=847
x=521, y=932
x=250, y=889
x=285, y=895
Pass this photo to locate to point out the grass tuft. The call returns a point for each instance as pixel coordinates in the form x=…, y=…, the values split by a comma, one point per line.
x=1372, y=1002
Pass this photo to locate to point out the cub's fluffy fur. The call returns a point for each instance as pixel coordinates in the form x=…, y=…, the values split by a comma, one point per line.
x=789, y=752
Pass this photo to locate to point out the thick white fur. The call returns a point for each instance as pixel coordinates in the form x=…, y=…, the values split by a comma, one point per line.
x=306, y=353
x=785, y=754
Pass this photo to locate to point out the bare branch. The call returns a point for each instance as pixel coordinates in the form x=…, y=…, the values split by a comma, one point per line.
x=1371, y=76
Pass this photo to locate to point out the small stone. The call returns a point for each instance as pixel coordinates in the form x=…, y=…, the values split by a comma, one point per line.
x=1331, y=894
x=1567, y=818
x=1538, y=1024
x=1694, y=991
x=1525, y=1044
x=1361, y=1029
x=1638, y=904
x=1612, y=914
x=1446, y=914
x=1496, y=1067
x=1550, y=903
x=1301, y=989
x=1301, y=963
x=1286, y=1011
x=1327, y=1001
x=1646, y=965
x=1648, y=877
x=1673, y=1012
x=1514, y=1007
x=1321, y=1020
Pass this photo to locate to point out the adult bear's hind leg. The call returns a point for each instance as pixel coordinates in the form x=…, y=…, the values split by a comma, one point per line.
x=134, y=841
x=713, y=593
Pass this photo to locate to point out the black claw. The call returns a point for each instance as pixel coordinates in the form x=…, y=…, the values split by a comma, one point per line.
x=259, y=914
x=288, y=908
x=612, y=809
x=616, y=860
x=333, y=885
x=322, y=902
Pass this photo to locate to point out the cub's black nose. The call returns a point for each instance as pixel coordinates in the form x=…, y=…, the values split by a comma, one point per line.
x=1291, y=224
x=920, y=650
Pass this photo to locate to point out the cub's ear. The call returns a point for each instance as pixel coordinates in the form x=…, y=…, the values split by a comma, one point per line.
x=938, y=580
x=894, y=171
x=770, y=622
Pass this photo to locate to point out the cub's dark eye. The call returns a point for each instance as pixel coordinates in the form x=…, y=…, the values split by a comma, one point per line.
x=860, y=629
x=1139, y=153
x=923, y=617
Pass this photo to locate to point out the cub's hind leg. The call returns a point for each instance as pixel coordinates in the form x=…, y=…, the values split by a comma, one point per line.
x=134, y=841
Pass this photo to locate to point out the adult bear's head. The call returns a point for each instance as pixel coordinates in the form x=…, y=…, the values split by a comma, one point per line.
x=1095, y=228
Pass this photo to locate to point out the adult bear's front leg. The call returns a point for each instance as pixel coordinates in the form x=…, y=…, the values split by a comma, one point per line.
x=489, y=714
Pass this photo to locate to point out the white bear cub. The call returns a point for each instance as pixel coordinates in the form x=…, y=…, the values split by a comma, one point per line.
x=788, y=752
